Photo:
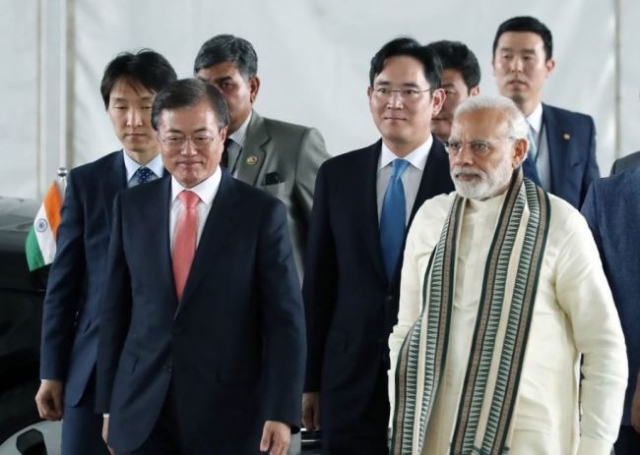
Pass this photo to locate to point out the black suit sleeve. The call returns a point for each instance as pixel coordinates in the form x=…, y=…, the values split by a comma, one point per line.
x=592, y=171
x=320, y=284
x=282, y=317
x=64, y=287
x=115, y=312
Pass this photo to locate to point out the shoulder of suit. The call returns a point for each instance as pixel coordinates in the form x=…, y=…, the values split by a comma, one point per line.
x=89, y=169
x=628, y=161
x=281, y=127
x=353, y=157
x=573, y=115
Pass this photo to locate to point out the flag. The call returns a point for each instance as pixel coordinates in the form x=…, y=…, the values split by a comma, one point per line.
x=41, y=240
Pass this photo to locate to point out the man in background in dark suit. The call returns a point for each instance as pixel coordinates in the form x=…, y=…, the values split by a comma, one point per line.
x=70, y=313
x=277, y=157
x=612, y=209
x=562, y=154
x=626, y=162
x=202, y=338
x=364, y=201
x=460, y=80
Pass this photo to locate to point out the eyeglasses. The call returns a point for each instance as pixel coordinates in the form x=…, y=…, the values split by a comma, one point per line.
x=177, y=142
x=479, y=147
x=385, y=93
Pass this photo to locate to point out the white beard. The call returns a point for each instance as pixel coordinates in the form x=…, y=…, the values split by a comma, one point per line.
x=491, y=184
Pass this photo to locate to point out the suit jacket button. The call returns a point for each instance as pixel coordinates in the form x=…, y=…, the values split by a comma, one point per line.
x=389, y=298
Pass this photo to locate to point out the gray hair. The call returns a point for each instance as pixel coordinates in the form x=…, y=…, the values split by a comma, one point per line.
x=518, y=127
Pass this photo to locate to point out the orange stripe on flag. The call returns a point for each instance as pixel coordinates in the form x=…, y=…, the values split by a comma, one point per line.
x=52, y=206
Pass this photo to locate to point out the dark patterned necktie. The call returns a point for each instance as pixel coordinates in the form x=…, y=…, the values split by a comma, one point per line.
x=143, y=175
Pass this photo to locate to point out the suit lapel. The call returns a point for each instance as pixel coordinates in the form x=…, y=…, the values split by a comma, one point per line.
x=557, y=147
x=253, y=153
x=371, y=228
x=218, y=228
x=113, y=181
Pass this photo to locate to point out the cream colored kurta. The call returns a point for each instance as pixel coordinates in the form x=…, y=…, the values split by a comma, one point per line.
x=574, y=313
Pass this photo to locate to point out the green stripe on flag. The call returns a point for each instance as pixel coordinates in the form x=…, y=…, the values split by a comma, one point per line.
x=34, y=255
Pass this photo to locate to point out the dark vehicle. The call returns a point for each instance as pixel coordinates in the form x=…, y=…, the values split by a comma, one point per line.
x=21, y=295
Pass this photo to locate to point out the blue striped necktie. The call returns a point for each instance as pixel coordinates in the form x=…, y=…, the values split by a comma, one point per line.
x=393, y=218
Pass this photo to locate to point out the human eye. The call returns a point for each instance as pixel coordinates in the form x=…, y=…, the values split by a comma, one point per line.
x=453, y=146
x=201, y=139
x=410, y=92
x=479, y=146
x=382, y=90
x=173, y=139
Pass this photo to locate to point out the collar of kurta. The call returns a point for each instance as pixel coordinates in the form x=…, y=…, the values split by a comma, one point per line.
x=487, y=401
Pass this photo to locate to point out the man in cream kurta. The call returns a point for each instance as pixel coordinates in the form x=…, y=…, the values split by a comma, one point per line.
x=573, y=310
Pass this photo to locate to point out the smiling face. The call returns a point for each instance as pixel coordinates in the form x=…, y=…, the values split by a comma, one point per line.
x=130, y=112
x=190, y=164
x=403, y=121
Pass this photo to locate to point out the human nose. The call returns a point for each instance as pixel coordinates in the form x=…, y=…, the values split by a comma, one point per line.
x=134, y=118
x=395, y=99
x=464, y=155
x=516, y=64
x=188, y=149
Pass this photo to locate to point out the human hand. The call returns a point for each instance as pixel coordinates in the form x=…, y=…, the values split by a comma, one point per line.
x=276, y=437
x=311, y=410
x=49, y=399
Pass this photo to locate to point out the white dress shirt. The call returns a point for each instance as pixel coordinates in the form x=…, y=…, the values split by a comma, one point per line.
x=543, y=160
x=574, y=313
x=410, y=178
x=206, y=190
x=132, y=166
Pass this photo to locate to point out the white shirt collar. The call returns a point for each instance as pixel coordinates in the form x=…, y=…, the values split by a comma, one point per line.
x=535, y=119
x=132, y=166
x=418, y=157
x=206, y=190
x=240, y=135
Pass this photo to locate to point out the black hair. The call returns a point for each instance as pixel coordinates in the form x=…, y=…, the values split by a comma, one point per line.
x=145, y=67
x=405, y=46
x=187, y=93
x=228, y=48
x=455, y=55
x=526, y=24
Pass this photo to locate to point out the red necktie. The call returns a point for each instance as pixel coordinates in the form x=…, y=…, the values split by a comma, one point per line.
x=184, y=247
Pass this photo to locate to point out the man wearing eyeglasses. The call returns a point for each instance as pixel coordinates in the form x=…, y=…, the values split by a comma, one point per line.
x=364, y=201
x=502, y=295
x=562, y=150
x=202, y=338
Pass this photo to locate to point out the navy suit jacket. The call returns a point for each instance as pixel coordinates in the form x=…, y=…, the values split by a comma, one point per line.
x=232, y=349
x=612, y=209
x=71, y=306
x=351, y=305
x=571, y=140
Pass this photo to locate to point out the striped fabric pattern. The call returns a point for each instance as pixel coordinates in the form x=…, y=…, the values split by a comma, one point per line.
x=489, y=395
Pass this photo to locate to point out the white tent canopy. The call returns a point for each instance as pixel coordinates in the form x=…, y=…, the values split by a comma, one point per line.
x=313, y=62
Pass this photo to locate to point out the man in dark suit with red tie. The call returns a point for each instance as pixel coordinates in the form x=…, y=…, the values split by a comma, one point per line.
x=364, y=201
x=202, y=332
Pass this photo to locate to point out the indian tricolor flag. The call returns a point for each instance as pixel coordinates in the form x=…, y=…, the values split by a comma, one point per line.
x=41, y=240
